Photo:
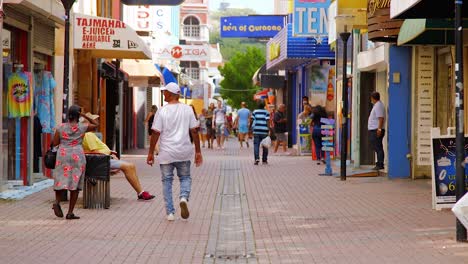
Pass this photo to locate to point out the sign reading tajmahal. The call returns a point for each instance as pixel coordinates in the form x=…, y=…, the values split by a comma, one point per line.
x=99, y=33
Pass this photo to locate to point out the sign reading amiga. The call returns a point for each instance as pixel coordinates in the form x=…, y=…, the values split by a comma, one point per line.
x=184, y=52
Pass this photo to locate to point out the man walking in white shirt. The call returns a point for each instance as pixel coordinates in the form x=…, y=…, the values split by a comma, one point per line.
x=219, y=124
x=376, y=129
x=172, y=124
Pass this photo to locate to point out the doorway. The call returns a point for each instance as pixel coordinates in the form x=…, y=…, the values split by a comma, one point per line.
x=366, y=153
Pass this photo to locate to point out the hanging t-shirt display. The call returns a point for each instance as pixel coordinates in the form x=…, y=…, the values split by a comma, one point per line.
x=44, y=99
x=20, y=89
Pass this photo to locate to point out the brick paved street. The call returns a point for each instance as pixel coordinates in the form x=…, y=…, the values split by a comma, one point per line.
x=240, y=213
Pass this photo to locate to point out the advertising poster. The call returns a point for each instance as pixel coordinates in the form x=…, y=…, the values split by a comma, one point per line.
x=444, y=179
x=305, y=138
x=321, y=86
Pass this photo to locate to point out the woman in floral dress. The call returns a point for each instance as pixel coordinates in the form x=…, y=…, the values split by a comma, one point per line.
x=70, y=165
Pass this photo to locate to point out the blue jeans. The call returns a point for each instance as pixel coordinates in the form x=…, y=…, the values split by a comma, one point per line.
x=257, y=139
x=167, y=176
x=377, y=146
x=317, y=137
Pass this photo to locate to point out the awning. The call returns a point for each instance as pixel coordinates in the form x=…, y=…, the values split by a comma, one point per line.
x=424, y=9
x=108, y=38
x=141, y=73
x=261, y=95
x=268, y=79
x=427, y=32
x=285, y=51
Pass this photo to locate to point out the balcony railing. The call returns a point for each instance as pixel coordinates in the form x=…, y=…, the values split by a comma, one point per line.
x=195, y=33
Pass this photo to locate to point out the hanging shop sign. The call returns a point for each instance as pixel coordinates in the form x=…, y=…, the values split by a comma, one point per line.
x=251, y=26
x=184, y=52
x=443, y=169
x=148, y=18
x=275, y=51
x=108, y=38
x=295, y=50
x=381, y=27
x=310, y=18
x=152, y=2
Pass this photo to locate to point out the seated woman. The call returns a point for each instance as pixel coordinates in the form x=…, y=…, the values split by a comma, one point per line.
x=92, y=144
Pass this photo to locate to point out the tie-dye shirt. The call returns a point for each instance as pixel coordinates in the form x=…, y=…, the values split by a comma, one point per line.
x=20, y=94
x=44, y=100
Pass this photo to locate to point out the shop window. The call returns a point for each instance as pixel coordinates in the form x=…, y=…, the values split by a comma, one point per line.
x=191, y=27
x=15, y=130
x=191, y=68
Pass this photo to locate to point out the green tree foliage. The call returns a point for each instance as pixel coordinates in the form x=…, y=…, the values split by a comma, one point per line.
x=237, y=85
x=230, y=46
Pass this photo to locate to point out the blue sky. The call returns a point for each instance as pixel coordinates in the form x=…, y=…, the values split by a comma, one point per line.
x=261, y=6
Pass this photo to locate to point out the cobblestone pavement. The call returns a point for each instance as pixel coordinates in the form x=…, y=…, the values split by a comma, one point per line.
x=240, y=213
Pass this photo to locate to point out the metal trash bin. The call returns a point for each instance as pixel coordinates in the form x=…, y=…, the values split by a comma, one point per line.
x=96, y=190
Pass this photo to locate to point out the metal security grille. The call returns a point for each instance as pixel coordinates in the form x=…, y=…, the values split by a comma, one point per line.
x=44, y=38
x=17, y=14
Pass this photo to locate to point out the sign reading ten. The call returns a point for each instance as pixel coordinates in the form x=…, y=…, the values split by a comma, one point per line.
x=310, y=18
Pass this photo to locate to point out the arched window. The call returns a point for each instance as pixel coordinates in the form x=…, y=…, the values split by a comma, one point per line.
x=191, y=27
x=191, y=68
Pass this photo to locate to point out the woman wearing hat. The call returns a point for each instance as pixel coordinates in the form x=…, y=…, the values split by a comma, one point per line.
x=70, y=165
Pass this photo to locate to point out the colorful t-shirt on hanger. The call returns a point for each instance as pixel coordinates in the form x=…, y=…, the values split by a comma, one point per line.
x=20, y=91
x=44, y=100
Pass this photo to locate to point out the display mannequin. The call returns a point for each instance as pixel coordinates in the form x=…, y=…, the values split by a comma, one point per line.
x=44, y=97
x=20, y=89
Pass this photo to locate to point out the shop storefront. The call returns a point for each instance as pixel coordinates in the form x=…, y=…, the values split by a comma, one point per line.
x=431, y=35
x=137, y=98
x=100, y=83
x=308, y=64
x=28, y=116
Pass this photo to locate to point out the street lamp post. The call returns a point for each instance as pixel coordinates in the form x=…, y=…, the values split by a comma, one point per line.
x=67, y=4
x=459, y=109
x=344, y=111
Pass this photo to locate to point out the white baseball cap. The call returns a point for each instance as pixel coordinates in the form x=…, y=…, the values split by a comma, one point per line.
x=172, y=87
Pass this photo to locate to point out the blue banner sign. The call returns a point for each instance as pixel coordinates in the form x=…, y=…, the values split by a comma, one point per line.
x=310, y=18
x=251, y=26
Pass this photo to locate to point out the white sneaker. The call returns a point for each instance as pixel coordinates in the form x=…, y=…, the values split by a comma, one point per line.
x=184, y=211
x=170, y=217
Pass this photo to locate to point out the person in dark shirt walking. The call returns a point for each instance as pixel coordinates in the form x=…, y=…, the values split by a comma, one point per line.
x=318, y=112
x=260, y=127
x=281, y=122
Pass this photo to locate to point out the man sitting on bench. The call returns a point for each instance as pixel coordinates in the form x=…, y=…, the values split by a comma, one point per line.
x=92, y=144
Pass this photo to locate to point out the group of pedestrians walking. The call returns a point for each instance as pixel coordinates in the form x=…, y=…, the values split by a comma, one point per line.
x=176, y=129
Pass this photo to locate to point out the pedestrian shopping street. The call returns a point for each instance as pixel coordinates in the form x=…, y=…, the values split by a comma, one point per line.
x=283, y=212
